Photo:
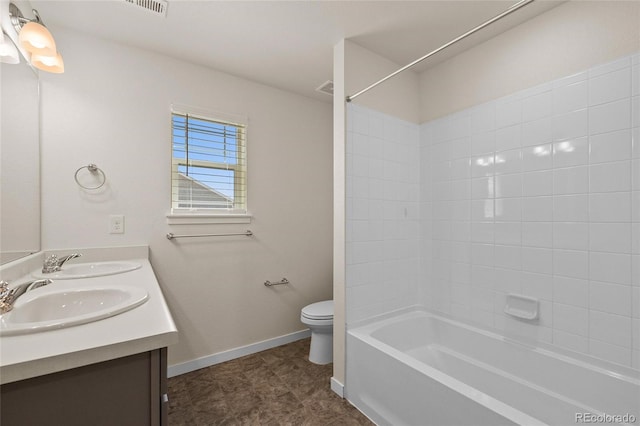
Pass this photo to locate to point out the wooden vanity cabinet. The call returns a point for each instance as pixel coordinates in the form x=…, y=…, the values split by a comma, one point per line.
x=125, y=391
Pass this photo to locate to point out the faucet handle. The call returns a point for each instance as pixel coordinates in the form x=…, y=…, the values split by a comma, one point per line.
x=5, y=297
x=51, y=264
x=4, y=288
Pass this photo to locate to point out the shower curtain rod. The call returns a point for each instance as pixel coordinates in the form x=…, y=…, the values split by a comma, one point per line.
x=512, y=9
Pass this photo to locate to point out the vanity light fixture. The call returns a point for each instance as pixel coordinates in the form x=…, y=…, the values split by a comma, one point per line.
x=8, y=51
x=36, y=39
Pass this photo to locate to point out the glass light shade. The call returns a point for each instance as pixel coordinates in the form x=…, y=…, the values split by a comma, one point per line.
x=8, y=51
x=53, y=64
x=36, y=39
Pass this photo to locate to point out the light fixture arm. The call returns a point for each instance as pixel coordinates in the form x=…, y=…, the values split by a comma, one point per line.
x=36, y=41
x=18, y=20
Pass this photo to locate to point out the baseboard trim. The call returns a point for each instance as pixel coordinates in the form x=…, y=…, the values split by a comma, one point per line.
x=337, y=387
x=217, y=358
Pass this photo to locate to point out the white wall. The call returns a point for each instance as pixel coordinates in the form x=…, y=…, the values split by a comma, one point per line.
x=112, y=108
x=19, y=165
x=398, y=97
x=567, y=39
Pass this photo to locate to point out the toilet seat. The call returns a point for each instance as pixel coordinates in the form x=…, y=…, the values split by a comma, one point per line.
x=319, y=311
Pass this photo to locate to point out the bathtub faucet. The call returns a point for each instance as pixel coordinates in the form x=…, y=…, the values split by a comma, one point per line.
x=54, y=264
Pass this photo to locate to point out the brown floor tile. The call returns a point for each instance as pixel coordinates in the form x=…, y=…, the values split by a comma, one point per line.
x=278, y=387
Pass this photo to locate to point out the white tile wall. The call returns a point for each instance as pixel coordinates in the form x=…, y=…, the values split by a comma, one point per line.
x=547, y=204
x=383, y=212
x=537, y=193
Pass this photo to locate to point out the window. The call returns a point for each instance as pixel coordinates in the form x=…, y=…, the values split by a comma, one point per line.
x=208, y=173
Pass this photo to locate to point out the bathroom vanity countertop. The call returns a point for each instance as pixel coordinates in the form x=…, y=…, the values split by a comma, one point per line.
x=144, y=328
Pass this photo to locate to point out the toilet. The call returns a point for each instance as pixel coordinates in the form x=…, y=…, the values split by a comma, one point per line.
x=319, y=318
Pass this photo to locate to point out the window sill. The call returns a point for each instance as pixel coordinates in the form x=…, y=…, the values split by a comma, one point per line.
x=206, y=219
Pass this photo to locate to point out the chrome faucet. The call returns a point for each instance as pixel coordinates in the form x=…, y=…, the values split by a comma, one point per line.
x=9, y=296
x=54, y=264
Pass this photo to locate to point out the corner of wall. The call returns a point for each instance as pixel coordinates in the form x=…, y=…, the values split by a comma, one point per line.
x=339, y=212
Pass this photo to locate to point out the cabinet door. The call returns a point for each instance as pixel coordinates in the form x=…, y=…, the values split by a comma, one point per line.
x=124, y=391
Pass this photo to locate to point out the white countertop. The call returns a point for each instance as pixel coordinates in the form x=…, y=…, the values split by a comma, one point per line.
x=144, y=328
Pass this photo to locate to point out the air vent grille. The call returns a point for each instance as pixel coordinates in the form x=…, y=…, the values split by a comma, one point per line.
x=326, y=87
x=158, y=7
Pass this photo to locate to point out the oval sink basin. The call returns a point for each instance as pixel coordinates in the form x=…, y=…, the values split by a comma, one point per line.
x=68, y=307
x=89, y=270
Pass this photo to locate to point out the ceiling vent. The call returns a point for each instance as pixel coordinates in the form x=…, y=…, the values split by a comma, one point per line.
x=157, y=7
x=326, y=87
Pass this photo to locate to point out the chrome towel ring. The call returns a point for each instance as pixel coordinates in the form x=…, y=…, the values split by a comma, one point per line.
x=95, y=170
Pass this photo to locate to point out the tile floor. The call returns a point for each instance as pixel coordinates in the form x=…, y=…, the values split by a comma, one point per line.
x=276, y=387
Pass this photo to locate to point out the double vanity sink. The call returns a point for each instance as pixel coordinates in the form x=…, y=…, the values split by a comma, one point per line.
x=106, y=305
x=85, y=343
x=72, y=298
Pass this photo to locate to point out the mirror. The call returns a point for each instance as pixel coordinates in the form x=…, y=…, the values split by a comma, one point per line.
x=19, y=162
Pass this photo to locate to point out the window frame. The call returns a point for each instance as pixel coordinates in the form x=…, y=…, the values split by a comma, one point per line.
x=239, y=213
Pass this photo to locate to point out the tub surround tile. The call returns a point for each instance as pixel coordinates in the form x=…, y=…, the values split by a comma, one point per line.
x=508, y=257
x=610, y=328
x=572, y=180
x=571, y=208
x=508, y=138
x=611, y=66
x=537, y=234
x=613, y=353
x=610, y=267
x=569, y=126
x=573, y=152
x=538, y=157
x=610, y=177
x=536, y=132
x=537, y=106
x=610, y=298
x=543, y=189
x=507, y=281
x=571, y=319
x=613, y=146
x=570, y=97
x=537, y=209
x=610, y=86
x=610, y=117
x=610, y=207
x=507, y=186
x=537, y=183
x=570, y=341
x=538, y=285
x=508, y=209
x=537, y=260
x=571, y=235
x=508, y=233
x=610, y=237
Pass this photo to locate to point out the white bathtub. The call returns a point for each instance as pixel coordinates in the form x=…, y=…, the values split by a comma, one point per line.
x=421, y=369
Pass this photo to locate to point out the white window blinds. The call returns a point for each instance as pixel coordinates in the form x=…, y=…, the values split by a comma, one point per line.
x=208, y=170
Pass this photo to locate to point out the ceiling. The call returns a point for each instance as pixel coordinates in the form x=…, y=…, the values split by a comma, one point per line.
x=287, y=44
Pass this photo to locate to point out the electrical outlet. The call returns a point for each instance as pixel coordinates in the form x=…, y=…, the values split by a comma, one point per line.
x=116, y=224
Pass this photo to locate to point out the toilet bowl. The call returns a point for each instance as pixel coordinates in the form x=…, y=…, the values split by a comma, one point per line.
x=319, y=318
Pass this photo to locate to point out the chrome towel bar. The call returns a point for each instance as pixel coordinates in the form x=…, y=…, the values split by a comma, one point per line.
x=171, y=236
x=282, y=281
